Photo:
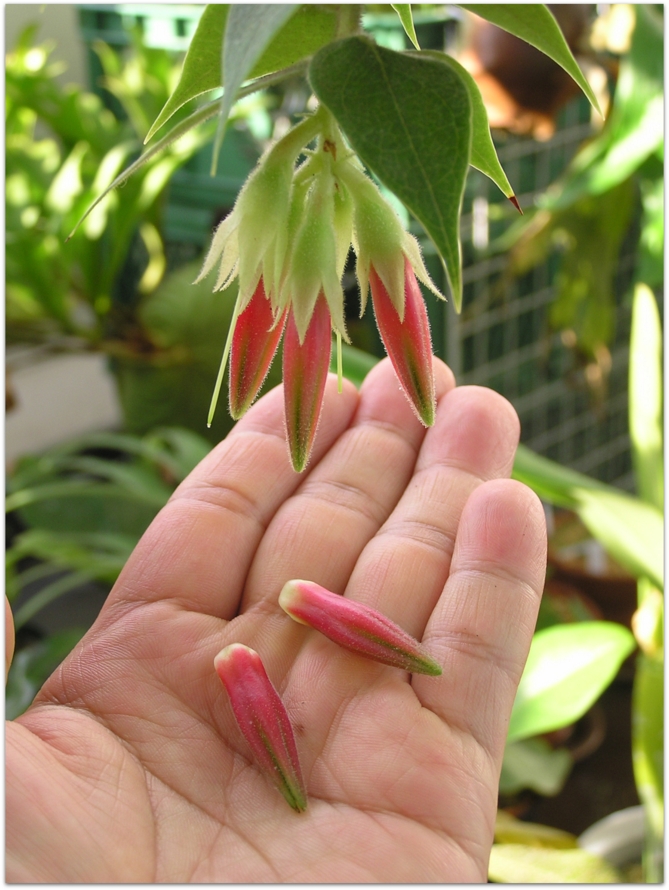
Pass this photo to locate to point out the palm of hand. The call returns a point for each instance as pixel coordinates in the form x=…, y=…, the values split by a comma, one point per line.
x=131, y=751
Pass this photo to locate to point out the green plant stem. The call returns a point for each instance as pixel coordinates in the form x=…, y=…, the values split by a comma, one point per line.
x=350, y=16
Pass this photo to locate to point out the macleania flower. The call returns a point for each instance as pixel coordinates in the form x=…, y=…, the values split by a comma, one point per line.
x=355, y=627
x=263, y=720
x=287, y=241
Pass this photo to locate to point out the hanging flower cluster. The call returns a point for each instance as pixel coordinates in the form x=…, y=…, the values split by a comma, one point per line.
x=286, y=241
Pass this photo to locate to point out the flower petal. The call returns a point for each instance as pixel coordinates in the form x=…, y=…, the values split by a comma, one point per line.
x=355, y=627
x=408, y=341
x=254, y=343
x=305, y=370
x=262, y=719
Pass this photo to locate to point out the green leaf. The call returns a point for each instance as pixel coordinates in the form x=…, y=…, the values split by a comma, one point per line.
x=198, y=117
x=522, y=864
x=483, y=154
x=567, y=669
x=306, y=31
x=49, y=593
x=248, y=32
x=202, y=66
x=409, y=119
x=403, y=10
x=509, y=830
x=648, y=748
x=533, y=764
x=536, y=25
x=645, y=396
x=630, y=530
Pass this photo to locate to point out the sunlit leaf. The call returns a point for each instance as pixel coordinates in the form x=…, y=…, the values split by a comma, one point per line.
x=409, y=119
x=522, y=864
x=630, y=530
x=202, y=70
x=567, y=669
x=509, y=830
x=645, y=396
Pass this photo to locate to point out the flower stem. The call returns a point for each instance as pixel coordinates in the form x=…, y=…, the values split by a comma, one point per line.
x=224, y=362
x=340, y=371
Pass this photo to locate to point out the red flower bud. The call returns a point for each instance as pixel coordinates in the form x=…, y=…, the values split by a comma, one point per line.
x=254, y=344
x=355, y=627
x=263, y=720
x=407, y=341
x=305, y=370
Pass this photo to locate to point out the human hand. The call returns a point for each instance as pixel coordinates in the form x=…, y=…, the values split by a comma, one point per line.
x=129, y=766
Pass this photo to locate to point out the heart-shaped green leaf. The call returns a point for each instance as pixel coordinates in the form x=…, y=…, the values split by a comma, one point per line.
x=567, y=669
x=409, y=118
x=484, y=154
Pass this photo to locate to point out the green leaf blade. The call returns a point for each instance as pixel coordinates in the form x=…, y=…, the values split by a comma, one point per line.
x=403, y=10
x=536, y=25
x=567, y=669
x=524, y=864
x=645, y=388
x=410, y=120
x=248, y=31
x=305, y=32
x=483, y=153
x=202, y=66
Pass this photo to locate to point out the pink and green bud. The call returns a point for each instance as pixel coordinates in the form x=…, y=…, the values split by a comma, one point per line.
x=263, y=720
x=355, y=627
x=254, y=342
x=407, y=341
x=312, y=265
x=305, y=369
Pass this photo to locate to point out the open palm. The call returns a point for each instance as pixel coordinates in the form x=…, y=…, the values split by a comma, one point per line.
x=129, y=766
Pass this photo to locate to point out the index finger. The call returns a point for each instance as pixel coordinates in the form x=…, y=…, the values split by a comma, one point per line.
x=197, y=551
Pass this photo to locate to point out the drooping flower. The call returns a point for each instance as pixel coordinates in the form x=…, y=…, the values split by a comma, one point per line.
x=389, y=260
x=407, y=341
x=355, y=627
x=263, y=720
x=305, y=370
x=287, y=241
x=254, y=342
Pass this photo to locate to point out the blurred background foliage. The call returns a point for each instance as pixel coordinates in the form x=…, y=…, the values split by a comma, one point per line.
x=615, y=182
